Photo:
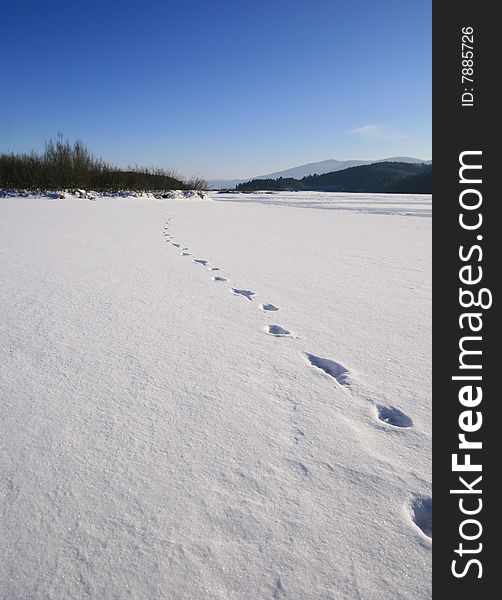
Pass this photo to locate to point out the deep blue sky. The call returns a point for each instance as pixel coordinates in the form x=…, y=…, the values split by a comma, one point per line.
x=224, y=88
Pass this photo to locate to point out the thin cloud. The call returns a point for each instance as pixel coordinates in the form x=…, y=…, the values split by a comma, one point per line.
x=377, y=132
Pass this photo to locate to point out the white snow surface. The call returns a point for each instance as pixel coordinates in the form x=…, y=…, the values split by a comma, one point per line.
x=419, y=205
x=164, y=438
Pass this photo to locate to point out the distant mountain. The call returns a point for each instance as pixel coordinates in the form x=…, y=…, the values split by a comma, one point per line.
x=224, y=184
x=332, y=165
x=381, y=177
x=317, y=168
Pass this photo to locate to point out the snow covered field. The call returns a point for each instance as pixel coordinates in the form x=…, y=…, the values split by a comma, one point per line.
x=225, y=398
x=418, y=205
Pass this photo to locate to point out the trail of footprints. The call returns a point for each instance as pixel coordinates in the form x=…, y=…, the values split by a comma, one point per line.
x=420, y=507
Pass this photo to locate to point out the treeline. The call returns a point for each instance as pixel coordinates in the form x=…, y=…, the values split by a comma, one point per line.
x=384, y=177
x=65, y=165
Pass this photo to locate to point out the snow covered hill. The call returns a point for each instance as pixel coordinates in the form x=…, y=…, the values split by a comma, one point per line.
x=215, y=399
x=324, y=166
x=331, y=165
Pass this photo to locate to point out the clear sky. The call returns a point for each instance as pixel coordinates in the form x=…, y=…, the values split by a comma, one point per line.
x=224, y=88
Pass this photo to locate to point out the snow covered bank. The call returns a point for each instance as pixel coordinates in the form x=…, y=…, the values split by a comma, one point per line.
x=214, y=400
x=91, y=195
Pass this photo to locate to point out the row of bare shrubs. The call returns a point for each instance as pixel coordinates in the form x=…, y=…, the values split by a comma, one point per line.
x=64, y=165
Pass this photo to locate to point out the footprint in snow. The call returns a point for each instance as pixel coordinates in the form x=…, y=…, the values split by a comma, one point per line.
x=278, y=592
x=277, y=331
x=299, y=467
x=221, y=279
x=185, y=254
x=298, y=436
x=420, y=509
x=268, y=307
x=214, y=268
x=393, y=416
x=200, y=261
x=332, y=368
x=176, y=245
x=244, y=293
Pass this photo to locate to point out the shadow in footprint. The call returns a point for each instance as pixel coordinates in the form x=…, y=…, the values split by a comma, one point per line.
x=185, y=254
x=279, y=591
x=298, y=435
x=421, y=514
x=268, y=307
x=393, y=416
x=219, y=279
x=277, y=330
x=248, y=294
x=339, y=373
x=299, y=467
x=176, y=245
x=214, y=269
x=200, y=261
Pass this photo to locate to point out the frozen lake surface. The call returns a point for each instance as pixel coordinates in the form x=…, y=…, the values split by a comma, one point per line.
x=216, y=398
x=417, y=205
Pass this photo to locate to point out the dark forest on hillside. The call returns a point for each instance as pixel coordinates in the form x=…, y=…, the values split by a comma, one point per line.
x=384, y=177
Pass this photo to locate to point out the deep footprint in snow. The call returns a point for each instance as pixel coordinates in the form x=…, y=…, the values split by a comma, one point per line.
x=332, y=368
x=393, y=416
x=214, y=268
x=277, y=330
x=421, y=514
x=244, y=293
x=176, y=245
x=221, y=279
x=268, y=307
x=200, y=261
